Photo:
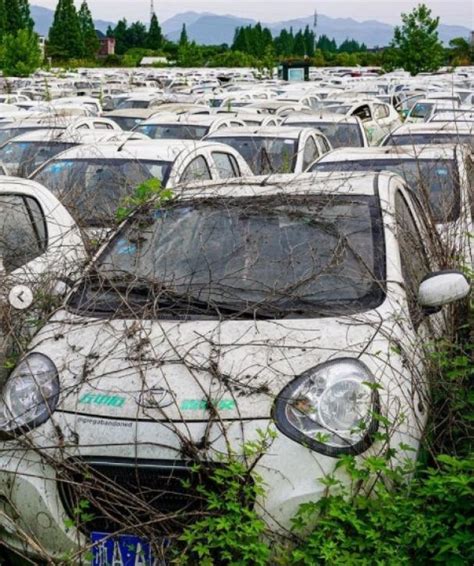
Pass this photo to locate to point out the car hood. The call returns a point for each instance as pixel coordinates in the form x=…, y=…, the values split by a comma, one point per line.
x=191, y=370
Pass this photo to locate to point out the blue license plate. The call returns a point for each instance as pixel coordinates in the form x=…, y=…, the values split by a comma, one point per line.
x=124, y=550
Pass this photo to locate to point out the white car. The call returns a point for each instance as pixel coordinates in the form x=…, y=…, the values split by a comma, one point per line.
x=275, y=149
x=92, y=180
x=341, y=131
x=22, y=155
x=236, y=309
x=40, y=246
x=425, y=108
x=442, y=176
x=54, y=122
x=185, y=126
x=378, y=118
x=432, y=133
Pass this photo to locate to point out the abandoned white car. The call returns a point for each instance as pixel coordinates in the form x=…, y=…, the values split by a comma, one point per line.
x=236, y=308
x=92, y=180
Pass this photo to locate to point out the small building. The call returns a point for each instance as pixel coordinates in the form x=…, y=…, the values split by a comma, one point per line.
x=294, y=70
x=107, y=44
x=150, y=61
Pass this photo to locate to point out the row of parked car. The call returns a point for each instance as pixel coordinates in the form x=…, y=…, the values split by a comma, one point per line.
x=214, y=260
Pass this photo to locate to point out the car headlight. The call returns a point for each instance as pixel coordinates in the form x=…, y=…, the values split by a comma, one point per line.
x=30, y=395
x=330, y=408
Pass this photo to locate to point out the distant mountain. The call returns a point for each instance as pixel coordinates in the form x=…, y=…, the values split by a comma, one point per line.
x=43, y=19
x=207, y=28
x=204, y=28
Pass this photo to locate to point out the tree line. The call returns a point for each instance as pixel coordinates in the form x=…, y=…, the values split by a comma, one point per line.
x=73, y=40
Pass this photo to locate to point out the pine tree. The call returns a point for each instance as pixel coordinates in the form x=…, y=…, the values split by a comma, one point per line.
x=25, y=14
x=183, y=38
x=13, y=16
x=65, y=38
x=89, y=37
x=3, y=19
x=299, y=46
x=136, y=36
x=120, y=35
x=21, y=54
x=154, y=39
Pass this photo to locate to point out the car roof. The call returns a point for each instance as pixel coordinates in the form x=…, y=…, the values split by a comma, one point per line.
x=283, y=132
x=132, y=112
x=431, y=127
x=327, y=183
x=189, y=119
x=154, y=150
x=390, y=152
x=321, y=117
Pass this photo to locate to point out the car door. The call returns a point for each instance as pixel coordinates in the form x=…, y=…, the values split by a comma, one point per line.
x=311, y=152
x=40, y=249
x=373, y=130
x=417, y=328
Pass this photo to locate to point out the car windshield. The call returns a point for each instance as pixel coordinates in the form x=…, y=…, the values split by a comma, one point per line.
x=93, y=189
x=340, y=135
x=22, y=158
x=421, y=110
x=338, y=109
x=271, y=257
x=435, y=180
x=133, y=104
x=9, y=133
x=265, y=154
x=126, y=122
x=435, y=138
x=173, y=131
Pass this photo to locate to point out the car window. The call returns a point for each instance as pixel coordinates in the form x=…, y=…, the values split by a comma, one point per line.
x=226, y=164
x=414, y=260
x=324, y=144
x=363, y=112
x=39, y=222
x=19, y=241
x=102, y=126
x=381, y=111
x=197, y=170
x=310, y=152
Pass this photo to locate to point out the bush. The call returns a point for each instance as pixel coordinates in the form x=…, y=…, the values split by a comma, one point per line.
x=429, y=521
x=20, y=54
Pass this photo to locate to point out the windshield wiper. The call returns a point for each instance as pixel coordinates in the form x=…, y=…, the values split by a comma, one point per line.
x=169, y=299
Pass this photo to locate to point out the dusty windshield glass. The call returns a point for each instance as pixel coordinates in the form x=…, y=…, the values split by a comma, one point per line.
x=307, y=256
x=92, y=189
x=264, y=154
x=430, y=139
x=434, y=180
x=340, y=135
x=22, y=158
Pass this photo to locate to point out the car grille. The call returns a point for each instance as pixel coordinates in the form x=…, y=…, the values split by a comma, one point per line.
x=134, y=496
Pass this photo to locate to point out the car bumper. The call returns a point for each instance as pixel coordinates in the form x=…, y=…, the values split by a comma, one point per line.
x=34, y=516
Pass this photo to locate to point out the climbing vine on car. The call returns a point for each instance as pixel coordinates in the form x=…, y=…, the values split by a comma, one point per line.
x=146, y=191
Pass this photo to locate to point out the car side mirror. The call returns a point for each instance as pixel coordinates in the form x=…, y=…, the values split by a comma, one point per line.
x=442, y=288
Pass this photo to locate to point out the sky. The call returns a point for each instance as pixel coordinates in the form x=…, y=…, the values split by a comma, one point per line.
x=457, y=12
